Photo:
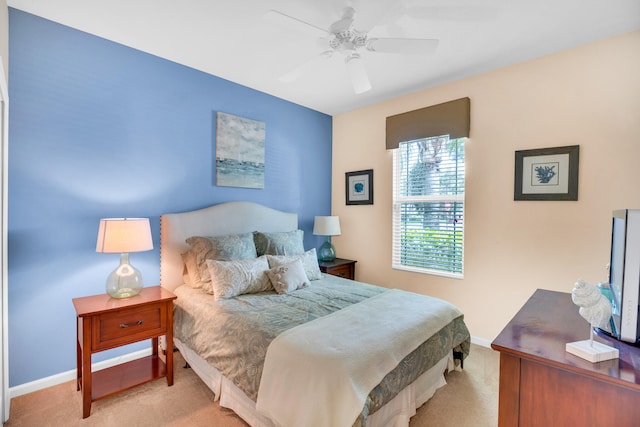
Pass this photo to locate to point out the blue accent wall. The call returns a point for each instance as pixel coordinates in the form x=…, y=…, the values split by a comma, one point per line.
x=96, y=130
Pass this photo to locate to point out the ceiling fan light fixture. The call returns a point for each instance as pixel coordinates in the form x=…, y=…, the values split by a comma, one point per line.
x=357, y=73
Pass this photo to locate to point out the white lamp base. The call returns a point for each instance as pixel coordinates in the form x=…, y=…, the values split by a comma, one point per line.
x=592, y=351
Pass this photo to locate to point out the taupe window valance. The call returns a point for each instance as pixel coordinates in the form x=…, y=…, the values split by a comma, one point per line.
x=450, y=118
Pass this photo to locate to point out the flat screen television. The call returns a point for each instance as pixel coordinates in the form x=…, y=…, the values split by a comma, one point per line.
x=624, y=274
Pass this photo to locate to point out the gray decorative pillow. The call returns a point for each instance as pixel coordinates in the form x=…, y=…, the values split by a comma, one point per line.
x=223, y=248
x=243, y=276
x=309, y=261
x=288, y=277
x=281, y=243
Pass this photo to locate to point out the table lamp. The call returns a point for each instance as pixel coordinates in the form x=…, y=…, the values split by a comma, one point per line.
x=124, y=235
x=326, y=226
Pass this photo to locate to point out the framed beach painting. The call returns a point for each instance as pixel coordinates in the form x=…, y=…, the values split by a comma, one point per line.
x=239, y=151
x=547, y=174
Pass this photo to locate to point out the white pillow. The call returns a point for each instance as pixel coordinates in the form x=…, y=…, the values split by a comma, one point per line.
x=309, y=262
x=242, y=276
x=288, y=277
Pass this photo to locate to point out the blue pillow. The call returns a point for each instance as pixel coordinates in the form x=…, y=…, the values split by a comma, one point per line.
x=280, y=243
x=221, y=248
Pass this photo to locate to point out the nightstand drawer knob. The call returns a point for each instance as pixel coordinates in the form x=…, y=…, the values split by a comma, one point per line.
x=126, y=325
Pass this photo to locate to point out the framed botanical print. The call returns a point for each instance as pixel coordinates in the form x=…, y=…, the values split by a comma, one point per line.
x=359, y=187
x=547, y=174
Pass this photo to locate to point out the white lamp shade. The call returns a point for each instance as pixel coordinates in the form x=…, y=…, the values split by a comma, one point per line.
x=124, y=235
x=326, y=226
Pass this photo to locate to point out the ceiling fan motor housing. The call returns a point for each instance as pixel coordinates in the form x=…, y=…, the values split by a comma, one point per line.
x=349, y=39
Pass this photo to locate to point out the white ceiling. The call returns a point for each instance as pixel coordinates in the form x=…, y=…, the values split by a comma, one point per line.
x=232, y=39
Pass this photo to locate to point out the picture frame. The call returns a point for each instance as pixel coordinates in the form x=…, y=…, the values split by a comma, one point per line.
x=547, y=173
x=240, y=151
x=359, y=187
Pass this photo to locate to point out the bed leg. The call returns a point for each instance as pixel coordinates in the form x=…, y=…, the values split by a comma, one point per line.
x=186, y=366
x=460, y=356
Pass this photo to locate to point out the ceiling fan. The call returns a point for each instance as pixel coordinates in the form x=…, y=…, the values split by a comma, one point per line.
x=343, y=38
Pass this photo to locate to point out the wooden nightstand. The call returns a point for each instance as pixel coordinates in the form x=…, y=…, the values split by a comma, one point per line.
x=104, y=322
x=339, y=267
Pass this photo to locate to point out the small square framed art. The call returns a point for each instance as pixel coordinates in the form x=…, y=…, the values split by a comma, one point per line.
x=547, y=174
x=359, y=187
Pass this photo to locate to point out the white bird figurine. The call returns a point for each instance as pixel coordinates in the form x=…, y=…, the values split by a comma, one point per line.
x=594, y=306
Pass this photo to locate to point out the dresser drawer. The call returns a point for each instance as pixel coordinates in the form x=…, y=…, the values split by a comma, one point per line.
x=342, y=271
x=129, y=325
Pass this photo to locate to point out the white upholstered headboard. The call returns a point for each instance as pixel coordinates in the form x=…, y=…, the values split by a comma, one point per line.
x=217, y=220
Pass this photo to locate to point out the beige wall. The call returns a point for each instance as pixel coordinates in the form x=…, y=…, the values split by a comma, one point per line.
x=589, y=96
x=4, y=36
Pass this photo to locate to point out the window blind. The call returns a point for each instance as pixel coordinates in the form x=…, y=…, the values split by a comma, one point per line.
x=428, y=206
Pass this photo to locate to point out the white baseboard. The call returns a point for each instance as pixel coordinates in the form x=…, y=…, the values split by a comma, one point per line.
x=71, y=375
x=63, y=377
x=483, y=342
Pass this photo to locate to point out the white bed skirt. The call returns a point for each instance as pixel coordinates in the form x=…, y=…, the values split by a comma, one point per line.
x=395, y=413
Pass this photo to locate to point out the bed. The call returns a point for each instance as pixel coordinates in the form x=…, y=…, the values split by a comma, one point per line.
x=253, y=346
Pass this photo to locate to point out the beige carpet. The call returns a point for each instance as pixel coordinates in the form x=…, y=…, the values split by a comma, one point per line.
x=469, y=399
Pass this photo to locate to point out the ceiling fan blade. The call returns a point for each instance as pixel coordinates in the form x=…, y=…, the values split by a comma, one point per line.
x=460, y=13
x=285, y=21
x=300, y=69
x=377, y=13
x=357, y=73
x=404, y=46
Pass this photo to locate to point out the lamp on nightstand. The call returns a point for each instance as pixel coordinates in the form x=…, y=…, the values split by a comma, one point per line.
x=326, y=226
x=124, y=235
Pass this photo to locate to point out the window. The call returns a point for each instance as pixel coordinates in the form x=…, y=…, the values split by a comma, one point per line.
x=428, y=206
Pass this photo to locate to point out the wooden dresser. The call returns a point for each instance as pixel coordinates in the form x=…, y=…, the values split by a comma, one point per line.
x=543, y=385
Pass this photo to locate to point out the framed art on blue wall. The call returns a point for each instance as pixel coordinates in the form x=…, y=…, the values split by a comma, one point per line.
x=547, y=174
x=359, y=187
x=239, y=151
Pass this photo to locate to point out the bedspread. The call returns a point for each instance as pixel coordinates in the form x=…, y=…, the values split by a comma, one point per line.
x=350, y=351
x=233, y=335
